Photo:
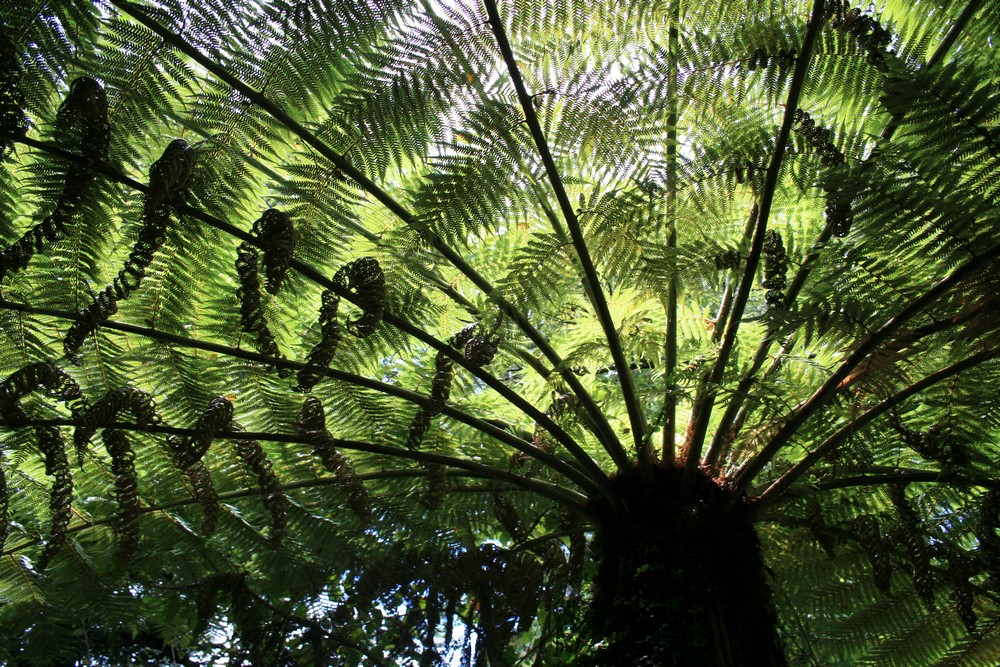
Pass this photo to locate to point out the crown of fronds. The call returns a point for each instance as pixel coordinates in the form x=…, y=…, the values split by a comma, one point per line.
x=507, y=251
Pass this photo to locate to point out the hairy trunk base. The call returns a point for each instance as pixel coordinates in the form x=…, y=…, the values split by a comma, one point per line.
x=681, y=583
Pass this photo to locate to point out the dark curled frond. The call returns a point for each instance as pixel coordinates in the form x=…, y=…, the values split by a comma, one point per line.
x=312, y=426
x=444, y=372
x=381, y=574
x=42, y=375
x=251, y=307
x=104, y=305
x=839, y=212
x=783, y=59
x=330, y=336
x=204, y=492
x=216, y=417
x=276, y=235
x=105, y=411
x=243, y=612
x=151, y=238
x=13, y=122
x=126, y=524
x=86, y=101
x=169, y=176
x=775, y=268
x=188, y=452
x=818, y=138
x=911, y=535
x=933, y=444
x=418, y=428
x=872, y=37
x=483, y=345
x=444, y=367
x=511, y=581
x=14, y=412
x=272, y=494
x=364, y=280
x=960, y=569
x=433, y=494
x=509, y=517
x=202, y=488
x=86, y=105
x=53, y=448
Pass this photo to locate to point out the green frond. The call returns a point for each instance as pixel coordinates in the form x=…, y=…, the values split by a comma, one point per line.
x=410, y=330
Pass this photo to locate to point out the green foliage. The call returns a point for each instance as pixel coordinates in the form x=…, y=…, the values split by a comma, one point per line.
x=515, y=255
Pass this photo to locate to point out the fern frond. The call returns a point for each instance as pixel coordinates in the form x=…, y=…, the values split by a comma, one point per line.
x=105, y=411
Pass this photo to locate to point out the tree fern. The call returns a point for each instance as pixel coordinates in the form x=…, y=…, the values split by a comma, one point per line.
x=499, y=333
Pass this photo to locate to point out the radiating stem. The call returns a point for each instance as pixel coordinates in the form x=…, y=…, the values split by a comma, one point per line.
x=596, y=483
x=309, y=272
x=731, y=419
x=598, y=421
x=702, y=411
x=880, y=476
x=388, y=318
x=591, y=280
x=745, y=407
x=455, y=259
x=668, y=452
x=860, y=421
x=861, y=352
x=558, y=493
x=734, y=411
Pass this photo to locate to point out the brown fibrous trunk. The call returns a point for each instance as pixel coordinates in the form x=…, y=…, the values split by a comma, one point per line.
x=681, y=581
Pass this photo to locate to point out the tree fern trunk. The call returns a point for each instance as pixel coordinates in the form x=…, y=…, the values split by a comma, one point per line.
x=681, y=585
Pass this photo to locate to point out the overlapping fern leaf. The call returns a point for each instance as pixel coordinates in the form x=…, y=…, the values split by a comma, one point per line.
x=509, y=251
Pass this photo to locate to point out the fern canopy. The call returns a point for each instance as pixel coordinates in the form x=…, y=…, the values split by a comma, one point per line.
x=405, y=332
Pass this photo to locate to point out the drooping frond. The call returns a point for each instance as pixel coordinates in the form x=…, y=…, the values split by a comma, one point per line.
x=167, y=179
x=514, y=256
x=86, y=105
x=105, y=411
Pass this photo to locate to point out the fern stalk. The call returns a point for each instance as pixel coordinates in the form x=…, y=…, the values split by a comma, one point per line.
x=702, y=409
x=865, y=349
x=940, y=52
x=364, y=182
x=594, y=485
x=735, y=412
x=719, y=441
x=597, y=419
x=773, y=492
x=312, y=274
x=561, y=495
x=668, y=444
x=882, y=476
x=591, y=281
